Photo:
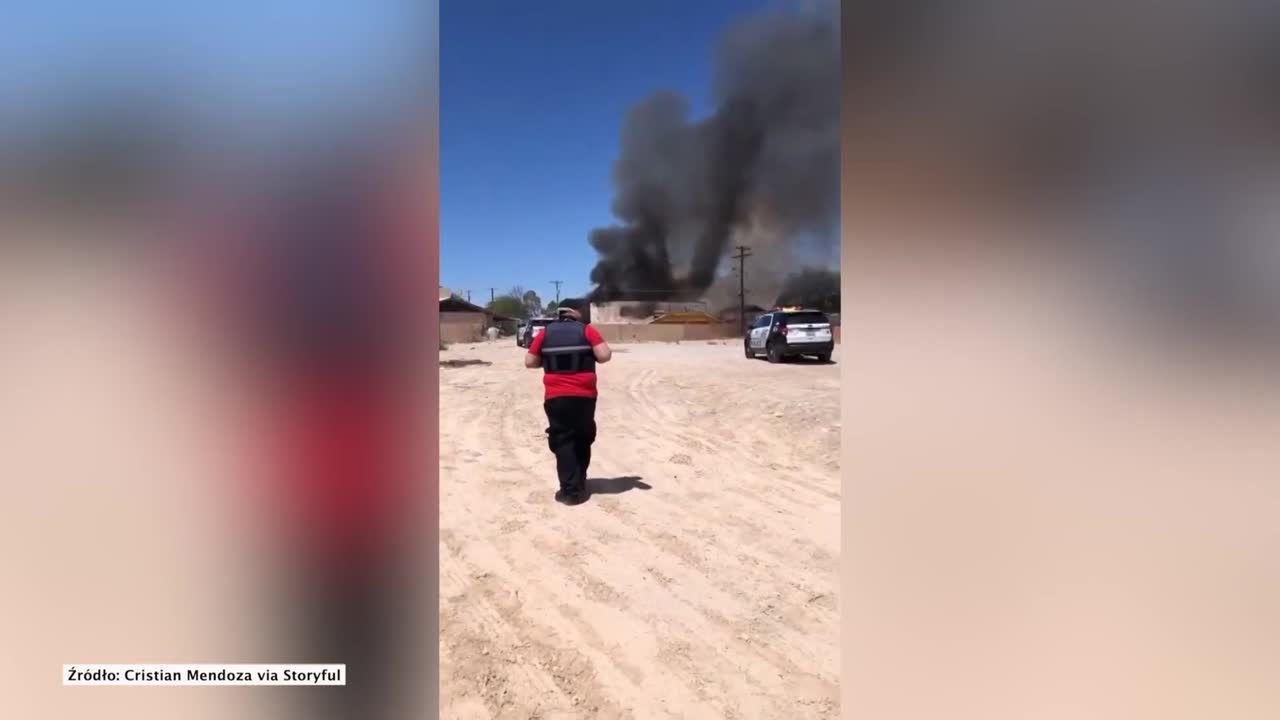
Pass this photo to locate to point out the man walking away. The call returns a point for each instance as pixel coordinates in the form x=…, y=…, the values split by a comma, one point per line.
x=567, y=351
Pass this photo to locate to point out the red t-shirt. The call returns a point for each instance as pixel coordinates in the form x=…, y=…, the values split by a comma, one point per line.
x=579, y=384
x=341, y=461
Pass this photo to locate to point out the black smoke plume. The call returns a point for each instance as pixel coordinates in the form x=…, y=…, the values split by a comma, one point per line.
x=769, y=156
x=812, y=288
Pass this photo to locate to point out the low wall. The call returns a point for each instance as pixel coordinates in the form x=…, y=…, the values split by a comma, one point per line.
x=632, y=333
x=612, y=313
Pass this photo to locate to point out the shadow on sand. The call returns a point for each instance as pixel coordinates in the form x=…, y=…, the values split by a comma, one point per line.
x=463, y=363
x=802, y=360
x=615, y=486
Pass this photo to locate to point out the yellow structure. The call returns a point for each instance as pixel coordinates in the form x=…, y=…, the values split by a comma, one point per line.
x=685, y=318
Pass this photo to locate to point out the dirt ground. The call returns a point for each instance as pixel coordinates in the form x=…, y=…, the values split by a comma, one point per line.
x=700, y=579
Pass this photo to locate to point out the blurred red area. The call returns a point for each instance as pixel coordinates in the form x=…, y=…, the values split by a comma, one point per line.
x=219, y=427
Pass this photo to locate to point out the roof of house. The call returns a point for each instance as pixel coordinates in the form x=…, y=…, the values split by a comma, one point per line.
x=457, y=304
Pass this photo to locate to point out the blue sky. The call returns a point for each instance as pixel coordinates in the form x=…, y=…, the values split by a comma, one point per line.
x=532, y=98
x=532, y=94
x=250, y=63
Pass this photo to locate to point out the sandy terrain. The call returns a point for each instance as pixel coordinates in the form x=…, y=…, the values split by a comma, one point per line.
x=699, y=581
x=116, y=544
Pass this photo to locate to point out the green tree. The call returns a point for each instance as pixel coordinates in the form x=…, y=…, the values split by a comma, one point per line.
x=551, y=307
x=510, y=306
x=532, y=303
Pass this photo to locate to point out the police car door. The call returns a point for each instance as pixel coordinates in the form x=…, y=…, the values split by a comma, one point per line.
x=760, y=331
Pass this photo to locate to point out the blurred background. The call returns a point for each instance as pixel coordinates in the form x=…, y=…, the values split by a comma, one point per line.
x=1061, y=265
x=215, y=224
x=1060, y=300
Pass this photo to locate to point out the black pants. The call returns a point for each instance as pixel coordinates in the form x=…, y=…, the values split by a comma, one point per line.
x=571, y=431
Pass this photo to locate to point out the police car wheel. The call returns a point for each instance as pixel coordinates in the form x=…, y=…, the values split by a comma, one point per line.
x=773, y=353
x=746, y=347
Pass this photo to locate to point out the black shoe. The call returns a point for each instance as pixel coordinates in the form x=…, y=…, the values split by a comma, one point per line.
x=570, y=498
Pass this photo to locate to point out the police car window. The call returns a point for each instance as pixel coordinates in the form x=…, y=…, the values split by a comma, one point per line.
x=763, y=321
x=805, y=318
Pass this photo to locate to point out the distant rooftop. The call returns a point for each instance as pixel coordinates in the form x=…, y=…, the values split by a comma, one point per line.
x=453, y=303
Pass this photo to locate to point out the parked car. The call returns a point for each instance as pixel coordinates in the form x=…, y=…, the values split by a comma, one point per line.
x=790, y=332
x=531, y=329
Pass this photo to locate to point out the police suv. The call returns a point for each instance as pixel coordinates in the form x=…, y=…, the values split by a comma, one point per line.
x=790, y=332
x=531, y=329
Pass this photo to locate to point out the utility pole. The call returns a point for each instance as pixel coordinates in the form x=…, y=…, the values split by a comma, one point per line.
x=491, y=298
x=468, y=292
x=741, y=257
x=557, y=284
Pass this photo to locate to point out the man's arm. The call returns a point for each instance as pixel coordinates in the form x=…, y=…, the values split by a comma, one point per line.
x=533, y=358
x=599, y=347
x=602, y=352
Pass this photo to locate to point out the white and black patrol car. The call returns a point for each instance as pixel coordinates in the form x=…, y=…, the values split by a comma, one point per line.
x=530, y=330
x=790, y=332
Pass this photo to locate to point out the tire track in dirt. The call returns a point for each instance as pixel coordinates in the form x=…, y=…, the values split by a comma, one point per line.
x=691, y=557
x=568, y=557
x=761, y=498
x=746, y=454
x=660, y=602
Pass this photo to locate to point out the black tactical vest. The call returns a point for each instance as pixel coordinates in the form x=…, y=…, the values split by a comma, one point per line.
x=565, y=348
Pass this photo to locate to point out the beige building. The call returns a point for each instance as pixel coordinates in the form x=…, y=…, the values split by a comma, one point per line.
x=636, y=311
x=462, y=322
